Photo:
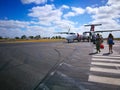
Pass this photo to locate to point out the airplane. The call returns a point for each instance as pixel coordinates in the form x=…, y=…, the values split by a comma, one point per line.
x=92, y=32
x=84, y=37
x=71, y=36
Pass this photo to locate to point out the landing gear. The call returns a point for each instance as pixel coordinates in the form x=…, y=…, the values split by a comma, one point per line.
x=70, y=40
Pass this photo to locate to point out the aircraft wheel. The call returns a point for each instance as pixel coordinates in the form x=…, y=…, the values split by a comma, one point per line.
x=68, y=41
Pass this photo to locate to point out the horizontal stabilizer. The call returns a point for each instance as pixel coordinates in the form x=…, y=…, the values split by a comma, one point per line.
x=93, y=25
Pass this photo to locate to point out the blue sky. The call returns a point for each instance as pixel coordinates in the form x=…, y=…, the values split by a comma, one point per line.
x=43, y=17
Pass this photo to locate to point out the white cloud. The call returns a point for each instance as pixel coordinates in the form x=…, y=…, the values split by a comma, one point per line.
x=110, y=2
x=75, y=11
x=64, y=23
x=65, y=7
x=108, y=16
x=69, y=14
x=49, y=19
x=105, y=14
x=13, y=24
x=78, y=11
x=34, y=1
x=47, y=14
x=12, y=28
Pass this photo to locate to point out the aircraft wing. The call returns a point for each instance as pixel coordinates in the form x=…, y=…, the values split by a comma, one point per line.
x=65, y=33
x=87, y=32
x=61, y=32
x=106, y=31
x=102, y=31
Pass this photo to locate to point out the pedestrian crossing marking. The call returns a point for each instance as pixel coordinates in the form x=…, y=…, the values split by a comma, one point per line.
x=109, y=60
x=106, y=70
x=105, y=64
x=107, y=54
x=95, y=56
x=105, y=80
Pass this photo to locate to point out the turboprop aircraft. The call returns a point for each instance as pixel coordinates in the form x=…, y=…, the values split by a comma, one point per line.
x=92, y=31
x=71, y=36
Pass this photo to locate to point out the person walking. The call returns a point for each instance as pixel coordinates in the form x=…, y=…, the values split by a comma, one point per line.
x=98, y=42
x=110, y=42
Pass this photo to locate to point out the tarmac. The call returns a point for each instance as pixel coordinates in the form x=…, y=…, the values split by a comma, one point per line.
x=59, y=66
x=79, y=72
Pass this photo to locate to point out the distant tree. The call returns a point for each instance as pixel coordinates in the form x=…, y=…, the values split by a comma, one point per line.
x=37, y=37
x=56, y=37
x=53, y=37
x=1, y=37
x=6, y=38
x=59, y=37
x=31, y=37
x=17, y=38
x=48, y=37
x=24, y=37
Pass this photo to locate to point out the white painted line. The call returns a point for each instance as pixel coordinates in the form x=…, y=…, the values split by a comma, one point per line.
x=105, y=80
x=61, y=64
x=52, y=73
x=105, y=64
x=110, y=55
x=68, y=64
x=105, y=57
x=98, y=69
x=110, y=60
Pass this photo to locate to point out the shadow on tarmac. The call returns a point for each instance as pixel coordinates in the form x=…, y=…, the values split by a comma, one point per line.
x=93, y=53
x=106, y=54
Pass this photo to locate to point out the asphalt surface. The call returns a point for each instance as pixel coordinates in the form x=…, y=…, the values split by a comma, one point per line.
x=58, y=66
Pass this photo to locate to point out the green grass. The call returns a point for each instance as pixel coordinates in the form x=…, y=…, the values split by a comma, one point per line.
x=31, y=40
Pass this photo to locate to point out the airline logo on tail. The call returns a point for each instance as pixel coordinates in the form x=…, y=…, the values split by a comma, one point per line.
x=92, y=28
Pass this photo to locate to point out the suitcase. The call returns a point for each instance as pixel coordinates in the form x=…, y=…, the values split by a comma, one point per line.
x=101, y=46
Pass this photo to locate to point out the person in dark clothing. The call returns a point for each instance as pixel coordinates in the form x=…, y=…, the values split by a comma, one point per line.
x=98, y=42
x=110, y=42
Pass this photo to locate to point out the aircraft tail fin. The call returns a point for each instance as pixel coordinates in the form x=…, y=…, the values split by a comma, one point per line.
x=92, y=28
